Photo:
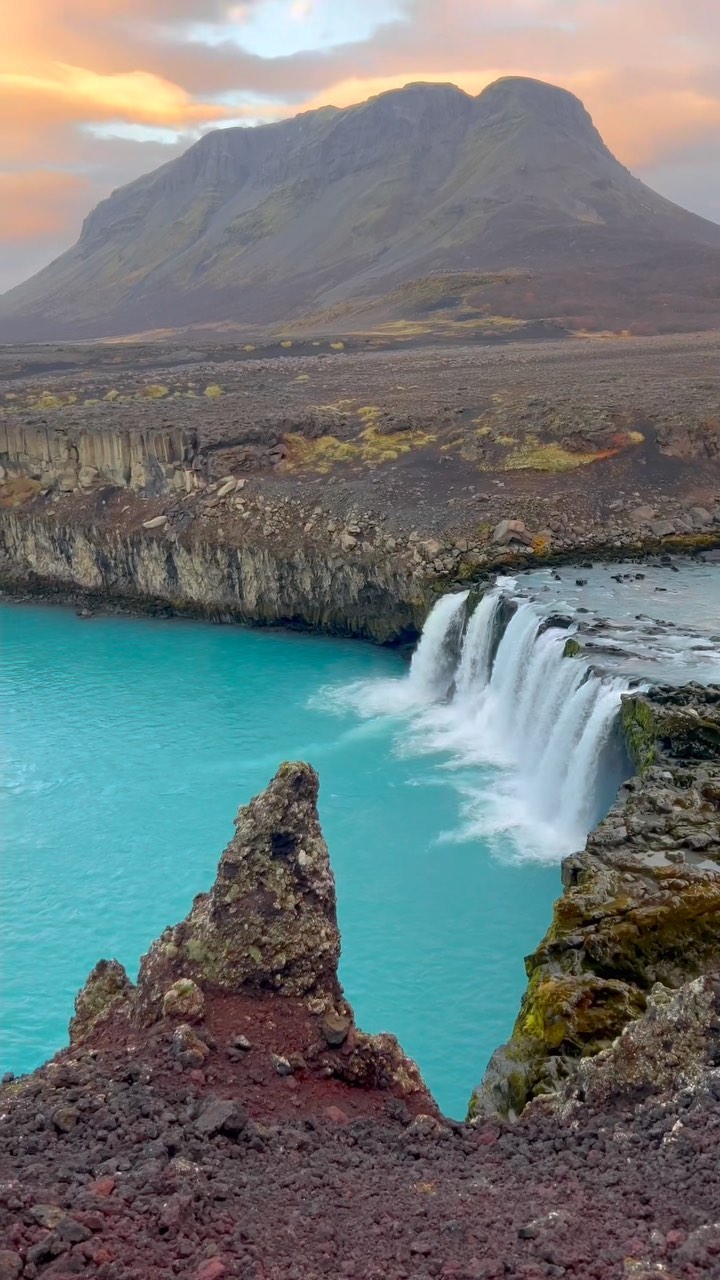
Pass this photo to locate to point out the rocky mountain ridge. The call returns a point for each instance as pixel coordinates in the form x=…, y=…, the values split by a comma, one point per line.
x=422, y=202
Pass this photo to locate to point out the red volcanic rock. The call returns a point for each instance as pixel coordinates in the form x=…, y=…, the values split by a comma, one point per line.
x=253, y=967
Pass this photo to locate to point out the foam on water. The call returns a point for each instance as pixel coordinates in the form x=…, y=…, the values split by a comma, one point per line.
x=541, y=729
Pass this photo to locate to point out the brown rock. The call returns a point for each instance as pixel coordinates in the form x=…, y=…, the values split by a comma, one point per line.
x=335, y=1028
x=185, y=1000
x=47, y=1215
x=188, y=1048
x=269, y=921
x=11, y=1265
x=65, y=1118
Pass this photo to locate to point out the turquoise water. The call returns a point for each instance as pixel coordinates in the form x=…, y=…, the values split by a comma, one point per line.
x=128, y=746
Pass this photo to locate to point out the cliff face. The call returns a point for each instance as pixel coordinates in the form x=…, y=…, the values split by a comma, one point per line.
x=67, y=458
x=262, y=581
x=641, y=904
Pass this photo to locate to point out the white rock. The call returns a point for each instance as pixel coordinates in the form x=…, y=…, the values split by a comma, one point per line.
x=228, y=486
x=156, y=523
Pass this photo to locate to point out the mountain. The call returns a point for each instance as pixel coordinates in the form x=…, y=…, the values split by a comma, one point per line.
x=422, y=205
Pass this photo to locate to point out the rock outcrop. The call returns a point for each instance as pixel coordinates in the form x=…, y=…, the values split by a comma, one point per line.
x=674, y=1046
x=641, y=904
x=269, y=922
x=260, y=949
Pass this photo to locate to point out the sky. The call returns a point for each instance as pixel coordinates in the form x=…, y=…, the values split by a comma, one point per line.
x=95, y=92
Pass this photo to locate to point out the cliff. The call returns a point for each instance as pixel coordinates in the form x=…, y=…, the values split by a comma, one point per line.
x=641, y=904
x=266, y=575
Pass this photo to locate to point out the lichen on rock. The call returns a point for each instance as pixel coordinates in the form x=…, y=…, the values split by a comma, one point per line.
x=184, y=1000
x=107, y=986
x=269, y=922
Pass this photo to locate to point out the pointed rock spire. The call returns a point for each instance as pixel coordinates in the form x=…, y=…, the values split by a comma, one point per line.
x=269, y=922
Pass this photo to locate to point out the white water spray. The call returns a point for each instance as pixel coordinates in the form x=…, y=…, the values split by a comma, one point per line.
x=503, y=699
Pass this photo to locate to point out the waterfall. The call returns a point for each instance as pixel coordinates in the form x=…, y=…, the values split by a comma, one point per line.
x=495, y=693
x=433, y=665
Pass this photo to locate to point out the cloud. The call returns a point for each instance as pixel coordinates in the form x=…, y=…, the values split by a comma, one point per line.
x=648, y=71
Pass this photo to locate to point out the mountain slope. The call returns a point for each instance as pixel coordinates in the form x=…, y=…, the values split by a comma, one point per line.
x=332, y=213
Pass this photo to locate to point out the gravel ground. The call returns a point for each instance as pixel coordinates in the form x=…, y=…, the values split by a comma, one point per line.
x=112, y=1165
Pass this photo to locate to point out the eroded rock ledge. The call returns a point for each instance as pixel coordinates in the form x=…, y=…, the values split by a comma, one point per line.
x=641, y=903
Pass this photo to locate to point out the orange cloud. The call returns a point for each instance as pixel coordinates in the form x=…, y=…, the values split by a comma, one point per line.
x=137, y=96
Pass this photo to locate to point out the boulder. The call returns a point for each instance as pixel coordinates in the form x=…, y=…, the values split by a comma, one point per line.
x=508, y=531
x=184, y=1000
x=11, y=1265
x=662, y=528
x=642, y=515
x=157, y=522
x=218, y=1116
x=87, y=477
x=188, y=1048
x=335, y=1028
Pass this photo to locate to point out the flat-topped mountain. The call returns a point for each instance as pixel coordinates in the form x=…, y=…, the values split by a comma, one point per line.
x=423, y=205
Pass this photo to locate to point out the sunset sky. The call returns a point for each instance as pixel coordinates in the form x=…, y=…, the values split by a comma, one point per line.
x=95, y=92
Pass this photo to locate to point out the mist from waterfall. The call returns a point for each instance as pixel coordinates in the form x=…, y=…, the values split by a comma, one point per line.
x=530, y=738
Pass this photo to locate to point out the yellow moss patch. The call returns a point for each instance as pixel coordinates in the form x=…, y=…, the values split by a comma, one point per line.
x=337, y=346
x=287, y=343
x=318, y=455
x=550, y=457
x=111, y=395
x=213, y=391
x=155, y=391
x=249, y=346
x=377, y=447
x=636, y=437
x=506, y=440
x=302, y=377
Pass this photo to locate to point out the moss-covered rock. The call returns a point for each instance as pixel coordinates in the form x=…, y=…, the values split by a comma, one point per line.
x=107, y=987
x=641, y=903
x=269, y=921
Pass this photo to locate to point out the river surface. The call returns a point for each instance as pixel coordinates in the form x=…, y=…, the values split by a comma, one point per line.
x=128, y=746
